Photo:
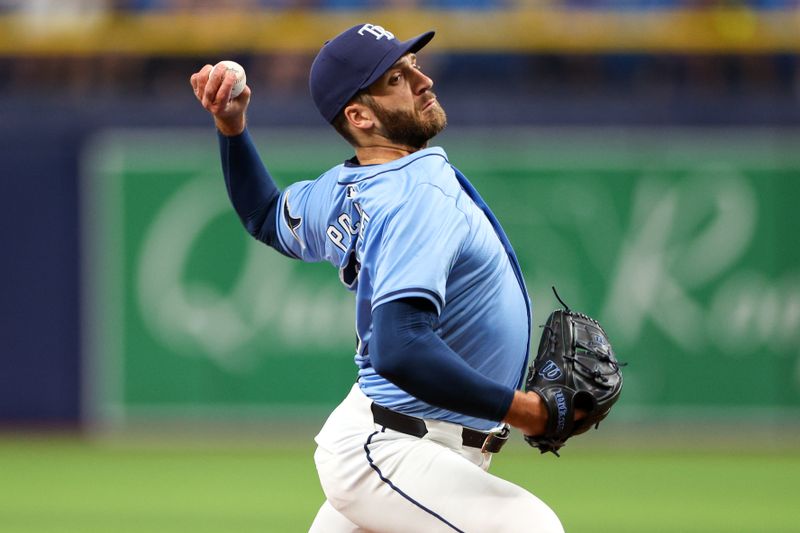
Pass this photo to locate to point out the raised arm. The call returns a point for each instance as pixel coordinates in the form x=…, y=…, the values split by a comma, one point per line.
x=251, y=189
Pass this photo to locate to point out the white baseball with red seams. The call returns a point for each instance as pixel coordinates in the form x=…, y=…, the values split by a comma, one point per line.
x=241, y=77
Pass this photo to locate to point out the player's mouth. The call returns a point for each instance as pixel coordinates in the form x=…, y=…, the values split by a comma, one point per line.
x=429, y=103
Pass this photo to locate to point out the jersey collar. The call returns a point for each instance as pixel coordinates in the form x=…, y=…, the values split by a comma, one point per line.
x=352, y=171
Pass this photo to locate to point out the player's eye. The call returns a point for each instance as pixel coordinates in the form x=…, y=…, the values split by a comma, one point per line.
x=395, y=78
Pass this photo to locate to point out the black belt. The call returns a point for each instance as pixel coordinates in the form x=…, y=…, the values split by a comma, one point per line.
x=487, y=442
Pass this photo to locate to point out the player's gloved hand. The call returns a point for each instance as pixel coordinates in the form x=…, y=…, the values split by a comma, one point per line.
x=214, y=93
x=577, y=376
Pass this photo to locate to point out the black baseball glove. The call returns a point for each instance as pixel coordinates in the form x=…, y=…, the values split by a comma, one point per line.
x=575, y=369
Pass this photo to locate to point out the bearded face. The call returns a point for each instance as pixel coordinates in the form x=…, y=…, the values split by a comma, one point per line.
x=411, y=128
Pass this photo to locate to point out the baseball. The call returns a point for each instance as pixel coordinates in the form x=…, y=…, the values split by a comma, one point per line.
x=241, y=77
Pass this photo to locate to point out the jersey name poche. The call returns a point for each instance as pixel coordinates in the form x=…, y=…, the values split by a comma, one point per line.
x=407, y=229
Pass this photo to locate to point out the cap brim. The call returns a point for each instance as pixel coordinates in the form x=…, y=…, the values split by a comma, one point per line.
x=412, y=45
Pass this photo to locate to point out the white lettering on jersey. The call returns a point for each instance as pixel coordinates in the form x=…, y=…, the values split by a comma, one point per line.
x=336, y=237
x=347, y=227
x=346, y=223
x=364, y=219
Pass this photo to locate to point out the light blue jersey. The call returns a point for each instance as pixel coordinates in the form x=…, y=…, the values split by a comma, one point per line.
x=409, y=229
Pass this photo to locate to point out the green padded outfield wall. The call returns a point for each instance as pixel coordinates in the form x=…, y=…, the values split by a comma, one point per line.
x=684, y=243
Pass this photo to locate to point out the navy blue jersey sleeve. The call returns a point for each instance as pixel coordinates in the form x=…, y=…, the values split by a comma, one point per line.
x=406, y=350
x=251, y=189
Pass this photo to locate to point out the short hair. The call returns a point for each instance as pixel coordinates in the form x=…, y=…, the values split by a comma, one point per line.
x=340, y=123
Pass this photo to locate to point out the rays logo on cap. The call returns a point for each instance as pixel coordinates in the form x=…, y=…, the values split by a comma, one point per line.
x=377, y=31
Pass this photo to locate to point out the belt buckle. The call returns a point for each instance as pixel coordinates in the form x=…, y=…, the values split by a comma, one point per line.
x=500, y=433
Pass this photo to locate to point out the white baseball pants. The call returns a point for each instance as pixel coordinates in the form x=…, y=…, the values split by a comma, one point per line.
x=377, y=480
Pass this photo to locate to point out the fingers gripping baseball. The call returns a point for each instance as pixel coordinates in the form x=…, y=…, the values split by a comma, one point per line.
x=213, y=91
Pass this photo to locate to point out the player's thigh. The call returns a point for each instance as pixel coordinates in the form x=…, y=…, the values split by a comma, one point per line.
x=467, y=497
x=407, y=484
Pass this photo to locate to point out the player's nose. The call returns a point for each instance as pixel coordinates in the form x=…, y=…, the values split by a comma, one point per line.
x=424, y=83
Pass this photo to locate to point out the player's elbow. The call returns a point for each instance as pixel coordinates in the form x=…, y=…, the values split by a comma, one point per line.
x=261, y=224
x=385, y=355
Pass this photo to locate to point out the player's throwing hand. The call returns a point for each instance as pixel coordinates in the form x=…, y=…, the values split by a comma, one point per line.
x=214, y=93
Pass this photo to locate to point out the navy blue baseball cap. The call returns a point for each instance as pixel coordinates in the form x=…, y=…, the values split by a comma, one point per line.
x=352, y=61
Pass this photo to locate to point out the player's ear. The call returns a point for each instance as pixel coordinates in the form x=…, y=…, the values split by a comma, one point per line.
x=359, y=116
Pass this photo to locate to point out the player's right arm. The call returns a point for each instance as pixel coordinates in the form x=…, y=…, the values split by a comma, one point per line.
x=251, y=189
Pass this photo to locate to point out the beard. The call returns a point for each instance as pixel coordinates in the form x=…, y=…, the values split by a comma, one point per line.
x=409, y=128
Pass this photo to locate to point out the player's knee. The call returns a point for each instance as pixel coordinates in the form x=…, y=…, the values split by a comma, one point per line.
x=534, y=516
x=546, y=520
x=549, y=522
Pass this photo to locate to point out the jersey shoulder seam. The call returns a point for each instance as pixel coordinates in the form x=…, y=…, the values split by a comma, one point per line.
x=453, y=197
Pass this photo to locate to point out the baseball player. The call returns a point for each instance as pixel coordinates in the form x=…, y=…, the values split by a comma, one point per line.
x=443, y=318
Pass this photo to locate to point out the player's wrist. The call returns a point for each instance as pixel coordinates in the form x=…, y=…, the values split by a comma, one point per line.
x=231, y=127
x=527, y=413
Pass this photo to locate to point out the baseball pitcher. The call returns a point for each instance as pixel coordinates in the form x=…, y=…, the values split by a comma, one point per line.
x=443, y=318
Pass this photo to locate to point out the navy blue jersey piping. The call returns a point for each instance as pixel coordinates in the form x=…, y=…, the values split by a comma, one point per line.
x=429, y=292
x=346, y=182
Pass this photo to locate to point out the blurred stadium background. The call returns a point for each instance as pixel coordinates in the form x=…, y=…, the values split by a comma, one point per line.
x=155, y=372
